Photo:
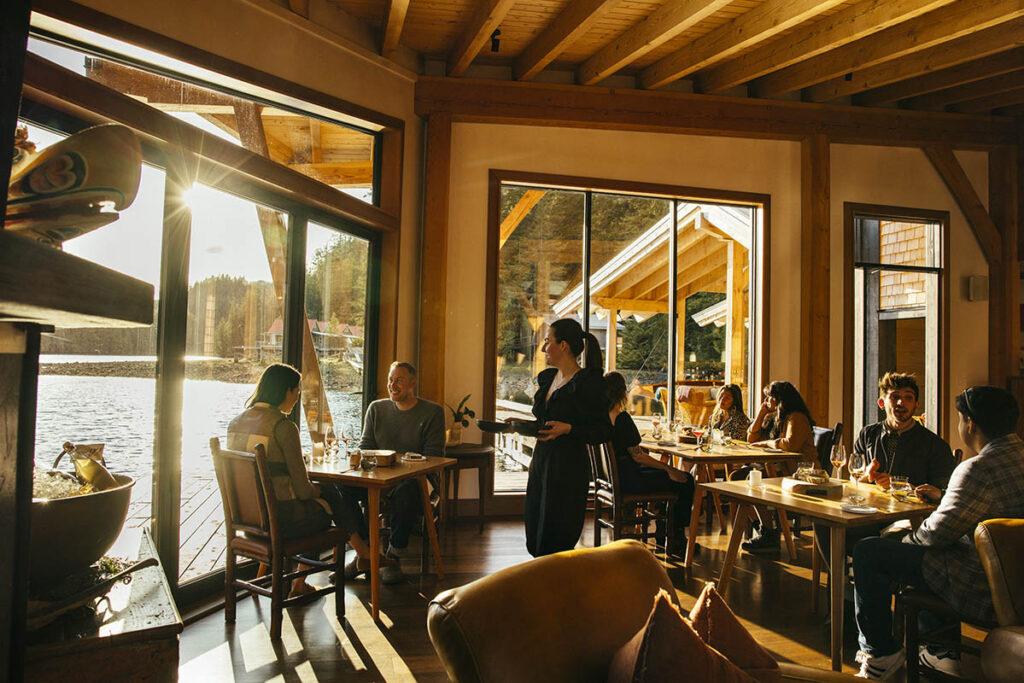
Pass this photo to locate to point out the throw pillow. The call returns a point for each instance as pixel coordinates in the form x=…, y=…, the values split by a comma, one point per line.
x=668, y=649
x=719, y=627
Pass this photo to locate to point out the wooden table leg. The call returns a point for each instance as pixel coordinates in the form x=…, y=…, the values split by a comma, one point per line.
x=691, y=540
x=482, y=483
x=455, y=492
x=815, y=570
x=787, y=533
x=837, y=567
x=373, y=514
x=742, y=513
x=428, y=515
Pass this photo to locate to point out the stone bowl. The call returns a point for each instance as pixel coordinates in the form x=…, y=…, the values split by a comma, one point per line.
x=69, y=534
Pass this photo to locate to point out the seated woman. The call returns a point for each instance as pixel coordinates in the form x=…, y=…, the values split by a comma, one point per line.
x=784, y=422
x=640, y=473
x=303, y=507
x=728, y=415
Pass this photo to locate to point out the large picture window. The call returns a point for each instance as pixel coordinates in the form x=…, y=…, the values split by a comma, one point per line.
x=662, y=281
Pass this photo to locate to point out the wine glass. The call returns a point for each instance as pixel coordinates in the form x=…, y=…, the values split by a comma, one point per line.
x=331, y=441
x=838, y=457
x=857, y=466
x=698, y=432
x=656, y=426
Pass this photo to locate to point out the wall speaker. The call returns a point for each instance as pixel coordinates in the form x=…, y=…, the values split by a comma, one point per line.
x=977, y=288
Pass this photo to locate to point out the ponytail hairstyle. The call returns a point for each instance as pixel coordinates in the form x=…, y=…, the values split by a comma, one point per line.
x=571, y=332
x=615, y=390
x=276, y=381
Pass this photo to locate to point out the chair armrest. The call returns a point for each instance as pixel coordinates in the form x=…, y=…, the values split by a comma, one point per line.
x=1002, y=655
x=796, y=672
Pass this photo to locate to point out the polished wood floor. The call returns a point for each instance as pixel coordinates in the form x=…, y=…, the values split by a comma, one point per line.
x=770, y=594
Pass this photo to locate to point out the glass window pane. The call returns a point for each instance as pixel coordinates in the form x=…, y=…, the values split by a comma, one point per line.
x=540, y=262
x=897, y=242
x=236, y=283
x=97, y=385
x=336, y=286
x=629, y=257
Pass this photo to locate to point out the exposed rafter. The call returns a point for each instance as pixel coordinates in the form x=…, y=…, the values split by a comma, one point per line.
x=970, y=91
x=518, y=213
x=575, y=20
x=987, y=104
x=999, y=63
x=759, y=24
x=828, y=33
x=970, y=47
x=486, y=18
x=952, y=173
x=666, y=22
x=394, y=19
x=956, y=20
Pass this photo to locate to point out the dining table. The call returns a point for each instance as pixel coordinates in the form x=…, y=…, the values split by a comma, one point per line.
x=878, y=508
x=375, y=481
x=702, y=463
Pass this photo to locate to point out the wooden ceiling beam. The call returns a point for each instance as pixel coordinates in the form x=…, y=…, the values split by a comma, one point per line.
x=755, y=26
x=692, y=264
x=989, y=86
x=394, y=19
x=993, y=40
x=828, y=33
x=663, y=24
x=488, y=14
x=338, y=173
x=994, y=101
x=1011, y=111
x=639, y=305
x=574, y=21
x=518, y=213
x=316, y=152
x=962, y=18
x=952, y=173
x=713, y=281
x=999, y=63
x=570, y=106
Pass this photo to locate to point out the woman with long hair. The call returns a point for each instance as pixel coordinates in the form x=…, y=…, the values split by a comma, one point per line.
x=728, y=415
x=571, y=407
x=784, y=422
x=304, y=508
x=639, y=472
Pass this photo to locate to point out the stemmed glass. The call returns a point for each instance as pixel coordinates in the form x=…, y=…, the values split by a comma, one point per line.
x=331, y=442
x=857, y=466
x=656, y=425
x=838, y=457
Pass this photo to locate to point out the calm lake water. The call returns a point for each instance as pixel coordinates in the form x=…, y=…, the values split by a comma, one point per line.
x=118, y=411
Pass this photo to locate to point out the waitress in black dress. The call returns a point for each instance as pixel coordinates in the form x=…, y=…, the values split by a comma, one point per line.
x=570, y=402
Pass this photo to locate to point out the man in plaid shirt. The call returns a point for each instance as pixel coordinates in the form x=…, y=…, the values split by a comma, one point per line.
x=940, y=555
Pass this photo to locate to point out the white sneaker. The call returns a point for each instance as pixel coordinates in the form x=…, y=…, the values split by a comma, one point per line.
x=946, y=661
x=879, y=668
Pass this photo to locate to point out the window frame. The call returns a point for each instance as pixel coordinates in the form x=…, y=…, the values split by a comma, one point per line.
x=760, y=256
x=851, y=212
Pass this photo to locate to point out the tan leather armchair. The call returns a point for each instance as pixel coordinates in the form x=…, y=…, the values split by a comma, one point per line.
x=556, y=618
x=1000, y=544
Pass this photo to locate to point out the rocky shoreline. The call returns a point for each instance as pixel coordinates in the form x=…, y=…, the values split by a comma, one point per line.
x=337, y=375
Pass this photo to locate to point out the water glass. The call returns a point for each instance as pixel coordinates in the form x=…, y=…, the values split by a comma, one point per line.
x=368, y=462
x=857, y=467
x=900, y=487
x=318, y=452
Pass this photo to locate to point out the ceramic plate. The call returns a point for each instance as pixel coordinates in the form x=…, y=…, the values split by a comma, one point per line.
x=858, y=509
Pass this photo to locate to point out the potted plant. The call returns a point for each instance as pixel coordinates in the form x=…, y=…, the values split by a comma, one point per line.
x=460, y=419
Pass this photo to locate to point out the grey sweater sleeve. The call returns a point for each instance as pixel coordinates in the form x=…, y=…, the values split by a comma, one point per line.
x=433, y=438
x=369, y=439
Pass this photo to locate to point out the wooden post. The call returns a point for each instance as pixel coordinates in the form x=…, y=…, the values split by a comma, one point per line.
x=815, y=196
x=736, y=339
x=434, y=250
x=611, y=339
x=1004, y=287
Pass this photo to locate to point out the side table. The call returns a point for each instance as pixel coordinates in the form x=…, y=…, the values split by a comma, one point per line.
x=468, y=456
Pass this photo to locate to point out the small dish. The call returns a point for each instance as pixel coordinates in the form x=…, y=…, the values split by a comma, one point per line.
x=414, y=457
x=858, y=509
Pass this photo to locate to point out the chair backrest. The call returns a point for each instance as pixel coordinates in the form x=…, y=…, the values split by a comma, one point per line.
x=823, y=443
x=1000, y=544
x=556, y=618
x=605, y=469
x=244, y=479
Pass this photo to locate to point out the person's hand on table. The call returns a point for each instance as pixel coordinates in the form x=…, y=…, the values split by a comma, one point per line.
x=929, y=493
x=760, y=444
x=552, y=430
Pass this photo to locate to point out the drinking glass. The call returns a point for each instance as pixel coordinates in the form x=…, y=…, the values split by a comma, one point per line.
x=656, y=426
x=699, y=433
x=838, y=457
x=331, y=443
x=900, y=487
x=857, y=467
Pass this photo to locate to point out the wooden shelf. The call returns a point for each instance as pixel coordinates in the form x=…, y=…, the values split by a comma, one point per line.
x=44, y=285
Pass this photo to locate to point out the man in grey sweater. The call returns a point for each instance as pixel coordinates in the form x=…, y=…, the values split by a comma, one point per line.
x=405, y=423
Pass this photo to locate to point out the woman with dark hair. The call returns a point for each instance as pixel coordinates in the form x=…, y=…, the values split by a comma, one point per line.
x=639, y=472
x=728, y=415
x=303, y=507
x=571, y=406
x=784, y=422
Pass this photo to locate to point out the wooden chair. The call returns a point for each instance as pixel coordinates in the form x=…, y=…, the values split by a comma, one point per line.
x=625, y=511
x=253, y=531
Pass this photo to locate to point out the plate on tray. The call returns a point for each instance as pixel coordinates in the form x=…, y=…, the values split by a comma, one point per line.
x=493, y=427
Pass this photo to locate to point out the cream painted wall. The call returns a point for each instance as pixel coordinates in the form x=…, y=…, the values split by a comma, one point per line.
x=267, y=37
x=904, y=177
x=761, y=166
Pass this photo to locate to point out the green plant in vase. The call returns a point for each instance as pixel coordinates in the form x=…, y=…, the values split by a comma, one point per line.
x=460, y=419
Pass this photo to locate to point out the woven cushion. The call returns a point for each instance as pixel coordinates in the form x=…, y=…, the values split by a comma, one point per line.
x=666, y=648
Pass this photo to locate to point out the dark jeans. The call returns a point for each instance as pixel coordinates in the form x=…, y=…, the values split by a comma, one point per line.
x=654, y=480
x=878, y=565
x=404, y=501
x=853, y=534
